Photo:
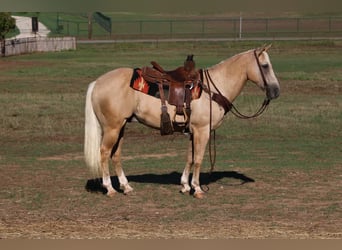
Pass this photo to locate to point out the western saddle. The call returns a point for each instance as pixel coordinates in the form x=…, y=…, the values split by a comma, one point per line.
x=179, y=83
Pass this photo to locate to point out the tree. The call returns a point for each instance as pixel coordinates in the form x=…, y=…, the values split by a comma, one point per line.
x=7, y=24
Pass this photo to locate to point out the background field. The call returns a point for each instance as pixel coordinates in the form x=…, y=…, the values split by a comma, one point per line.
x=193, y=24
x=278, y=176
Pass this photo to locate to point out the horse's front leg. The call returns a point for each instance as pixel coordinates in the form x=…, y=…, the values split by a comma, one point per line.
x=200, y=140
x=186, y=172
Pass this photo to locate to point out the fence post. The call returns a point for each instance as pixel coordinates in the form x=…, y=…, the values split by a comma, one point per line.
x=90, y=25
x=240, y=32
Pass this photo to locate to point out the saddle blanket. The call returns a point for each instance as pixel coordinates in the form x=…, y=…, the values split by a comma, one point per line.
x=140, y=84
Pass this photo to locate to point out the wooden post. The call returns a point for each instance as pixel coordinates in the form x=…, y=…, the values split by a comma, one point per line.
x=240, y=29
x=90, y=25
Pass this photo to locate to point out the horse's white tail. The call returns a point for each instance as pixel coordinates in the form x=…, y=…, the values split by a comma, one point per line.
x=92, y=135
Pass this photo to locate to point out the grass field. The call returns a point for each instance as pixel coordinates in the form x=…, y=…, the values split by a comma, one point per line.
x=128, y=25
x=277, y=176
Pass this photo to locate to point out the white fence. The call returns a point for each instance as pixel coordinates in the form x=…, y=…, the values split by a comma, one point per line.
x=38, y=44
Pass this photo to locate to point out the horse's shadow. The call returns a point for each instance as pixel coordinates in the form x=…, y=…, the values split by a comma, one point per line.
x=173, y=178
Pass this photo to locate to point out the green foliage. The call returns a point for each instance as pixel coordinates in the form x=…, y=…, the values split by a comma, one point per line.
x=7, y=24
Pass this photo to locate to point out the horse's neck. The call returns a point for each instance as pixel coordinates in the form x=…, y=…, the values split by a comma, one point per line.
x=230, y=75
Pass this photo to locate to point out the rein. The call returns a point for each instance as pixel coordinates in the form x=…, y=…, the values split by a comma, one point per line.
x=220, y=99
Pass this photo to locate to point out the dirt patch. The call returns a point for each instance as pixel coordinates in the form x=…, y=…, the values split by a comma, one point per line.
x=79, y=156
x=62, y=157
x=51, y=203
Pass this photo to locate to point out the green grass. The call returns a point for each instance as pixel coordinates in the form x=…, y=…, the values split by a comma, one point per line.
x=49, y=98
x=291, y=151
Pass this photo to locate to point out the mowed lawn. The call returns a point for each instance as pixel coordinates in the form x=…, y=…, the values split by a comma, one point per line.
x=276, y=176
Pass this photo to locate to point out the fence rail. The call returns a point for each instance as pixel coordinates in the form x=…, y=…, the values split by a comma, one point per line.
x=208, y=28
x=38, y=44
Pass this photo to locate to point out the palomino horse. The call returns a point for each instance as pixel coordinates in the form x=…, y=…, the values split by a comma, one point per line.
x=111, y=102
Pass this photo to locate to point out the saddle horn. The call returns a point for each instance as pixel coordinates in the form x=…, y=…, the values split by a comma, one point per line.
x=189, y=64
x=190, y=58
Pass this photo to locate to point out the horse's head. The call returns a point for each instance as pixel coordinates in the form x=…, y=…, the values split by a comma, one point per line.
x=261, y=72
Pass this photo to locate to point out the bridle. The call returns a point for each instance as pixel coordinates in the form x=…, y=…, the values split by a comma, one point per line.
x=228, y=105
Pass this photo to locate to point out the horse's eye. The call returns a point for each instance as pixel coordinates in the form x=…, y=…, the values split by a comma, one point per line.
x=265, y=66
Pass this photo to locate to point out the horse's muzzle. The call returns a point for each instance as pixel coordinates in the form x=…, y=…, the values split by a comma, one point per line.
x=272, y=91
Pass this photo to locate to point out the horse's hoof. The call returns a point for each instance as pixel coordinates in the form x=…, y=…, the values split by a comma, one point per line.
x=111, y=193
x=128, y=192
x=127, y=189
x=184, y=191
x=199, y=195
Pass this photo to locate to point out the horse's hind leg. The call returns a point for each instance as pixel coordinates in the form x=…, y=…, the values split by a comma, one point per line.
x=116, y=158
x=110, y=137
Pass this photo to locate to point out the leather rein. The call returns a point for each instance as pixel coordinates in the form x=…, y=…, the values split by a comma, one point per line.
x=220, y=99
x=228, y=105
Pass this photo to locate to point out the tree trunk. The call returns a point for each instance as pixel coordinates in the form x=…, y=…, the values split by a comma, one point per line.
x=3, y=47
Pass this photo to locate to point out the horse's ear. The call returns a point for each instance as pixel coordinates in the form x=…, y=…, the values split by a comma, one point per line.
x=265, y=47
